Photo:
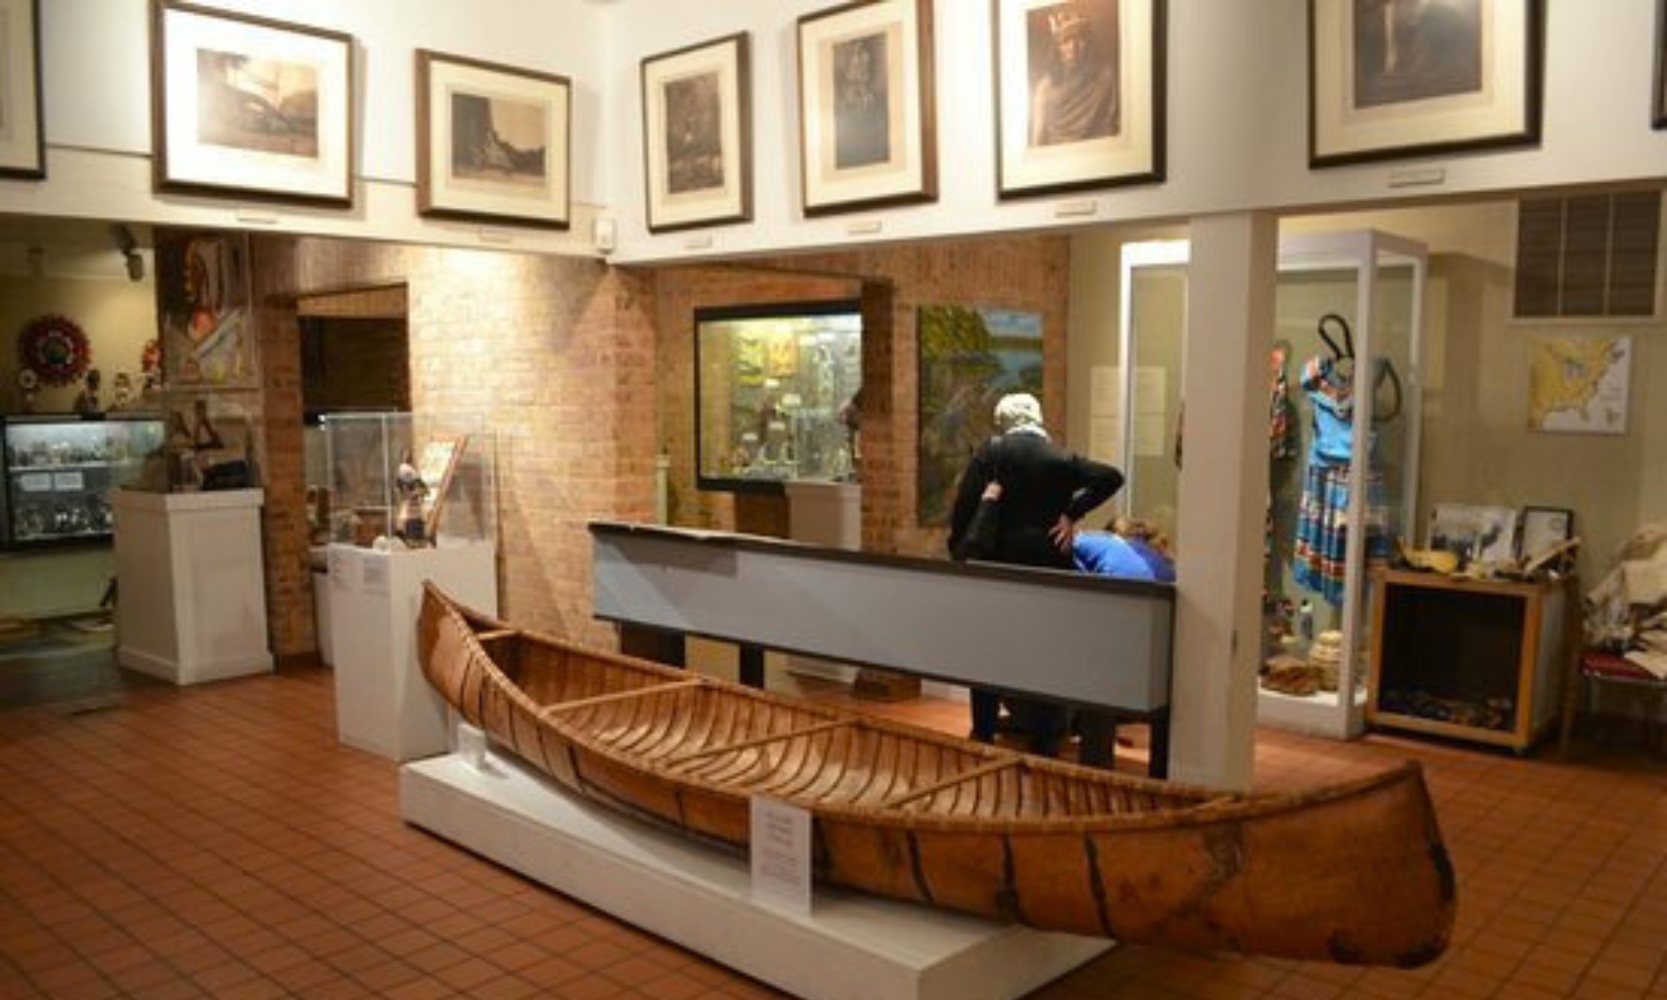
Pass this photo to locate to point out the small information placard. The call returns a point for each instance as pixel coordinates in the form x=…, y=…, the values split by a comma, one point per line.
x=375, y=573
x=781, y=855
x=471, y=745
x=35, y=482
x=68, y=482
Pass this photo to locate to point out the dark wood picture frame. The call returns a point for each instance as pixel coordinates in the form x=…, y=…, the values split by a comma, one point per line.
x=844, y=165
x=512, y=182
x=23, y=153
x=248, y=157
x=1542, y=528
x=1130, y=147
x=1358, y=114
x=1658, y=117
x=715, y=187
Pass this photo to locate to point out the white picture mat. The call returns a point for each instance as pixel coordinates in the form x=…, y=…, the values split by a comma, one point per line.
x=1131, y=151
x=904, y=172
x=19, y=121
x=666, y=208
x=451, y=194
x=190, y=162
x=1500, y=108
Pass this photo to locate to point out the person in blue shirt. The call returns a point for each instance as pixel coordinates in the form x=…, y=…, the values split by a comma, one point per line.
x=1125, y=550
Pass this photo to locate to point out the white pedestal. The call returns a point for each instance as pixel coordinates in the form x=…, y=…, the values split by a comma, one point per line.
x=384, y=704
x=853, y=946
x=191, y=600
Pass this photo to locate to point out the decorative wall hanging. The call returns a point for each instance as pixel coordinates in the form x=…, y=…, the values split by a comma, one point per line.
x=1079, y=94
x=969, y=359
x=54, y=348
x=252, y=107
x=697, y=134
x=867, y=131
x=492, y=142
x=22, y=151
x=1391, y=80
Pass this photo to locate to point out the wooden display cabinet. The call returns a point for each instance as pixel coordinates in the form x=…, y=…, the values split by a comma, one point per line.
x=1465, y=645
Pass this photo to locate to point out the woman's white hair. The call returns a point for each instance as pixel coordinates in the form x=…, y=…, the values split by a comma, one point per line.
x=1017, y=410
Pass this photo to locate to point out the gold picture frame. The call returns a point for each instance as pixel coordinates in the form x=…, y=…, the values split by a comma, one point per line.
x=22, y=138
x=250, y=107
x=1392, y=81
x=697, y=134
x=1080, y=94
x=494, y=142
x=867, y=120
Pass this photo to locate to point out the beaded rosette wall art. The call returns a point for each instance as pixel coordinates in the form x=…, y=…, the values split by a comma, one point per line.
x=55, y=349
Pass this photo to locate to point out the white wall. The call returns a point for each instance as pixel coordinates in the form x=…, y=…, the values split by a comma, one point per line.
x=95, y=63
x=1237, y=115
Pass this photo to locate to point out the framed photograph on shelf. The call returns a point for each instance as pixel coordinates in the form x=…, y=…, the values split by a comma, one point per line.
x=1388, y=80
x=1544, y=528
x=697, y=134
x=867, y=122
x=493, y=142
x=22, y=149
x=249, y=107
x=1474, y=533
x=1079, y=94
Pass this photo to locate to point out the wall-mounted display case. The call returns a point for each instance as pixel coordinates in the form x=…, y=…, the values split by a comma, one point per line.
x=775, y=388
x=60, y=471
x=421, y=481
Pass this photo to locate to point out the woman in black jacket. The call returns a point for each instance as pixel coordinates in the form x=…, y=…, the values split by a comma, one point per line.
x=1045, y=491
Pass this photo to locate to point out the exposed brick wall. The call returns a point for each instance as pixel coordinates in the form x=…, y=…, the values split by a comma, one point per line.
x=1025, y=273
x=555, y=355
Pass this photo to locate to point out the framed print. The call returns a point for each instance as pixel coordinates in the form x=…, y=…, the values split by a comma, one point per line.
x=1659, y=116
x=697, y=135
x=1079, y=94
x=493, y=142
x=1475, y=533
x=1543, y=528
x=1389, y=79
x=250, y=107
x=22, y=149
x=866, y=116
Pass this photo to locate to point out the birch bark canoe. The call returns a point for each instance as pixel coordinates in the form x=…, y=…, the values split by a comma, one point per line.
x=1353, y=873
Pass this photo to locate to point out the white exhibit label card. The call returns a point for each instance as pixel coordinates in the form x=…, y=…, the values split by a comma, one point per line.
x=781, y=855
x=68, y=482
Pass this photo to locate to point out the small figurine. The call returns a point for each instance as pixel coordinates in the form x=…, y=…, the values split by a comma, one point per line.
x=412, y=492
x=27, y=383
x=86, y=402
x=123, y=391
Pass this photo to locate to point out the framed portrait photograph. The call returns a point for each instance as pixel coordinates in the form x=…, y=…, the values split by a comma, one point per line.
x=697, y=134
x=1544, y=528
x=22, y=148
x=866, y=115
x=493, y=142
x=1079, y=94
x=1389, y=79
x=250, y=107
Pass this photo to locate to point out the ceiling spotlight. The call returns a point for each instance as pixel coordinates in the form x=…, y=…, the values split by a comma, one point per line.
x=128, y=245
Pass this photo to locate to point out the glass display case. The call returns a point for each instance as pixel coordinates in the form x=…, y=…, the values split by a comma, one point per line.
x=1343, y=383
x=775, y=388
x=416, y=482
x=60, y=471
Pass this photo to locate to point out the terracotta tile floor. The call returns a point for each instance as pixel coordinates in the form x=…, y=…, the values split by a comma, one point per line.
x=218, y=842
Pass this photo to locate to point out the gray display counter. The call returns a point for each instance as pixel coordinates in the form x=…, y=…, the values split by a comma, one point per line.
x=1075, y=638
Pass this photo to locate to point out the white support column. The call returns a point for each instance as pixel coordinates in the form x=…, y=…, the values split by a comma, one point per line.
x=1223, y=492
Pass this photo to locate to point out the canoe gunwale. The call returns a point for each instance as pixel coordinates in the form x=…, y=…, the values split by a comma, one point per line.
x=1209, y=806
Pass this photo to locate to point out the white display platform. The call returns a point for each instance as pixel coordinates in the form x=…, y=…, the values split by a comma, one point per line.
x=853, y=947
x=384, y=704
x=191, y=591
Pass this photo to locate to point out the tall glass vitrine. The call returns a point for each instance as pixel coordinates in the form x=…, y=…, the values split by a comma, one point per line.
x=1343, y=433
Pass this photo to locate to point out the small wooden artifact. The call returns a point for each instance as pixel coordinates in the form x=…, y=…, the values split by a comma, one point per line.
x=1355, y=873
